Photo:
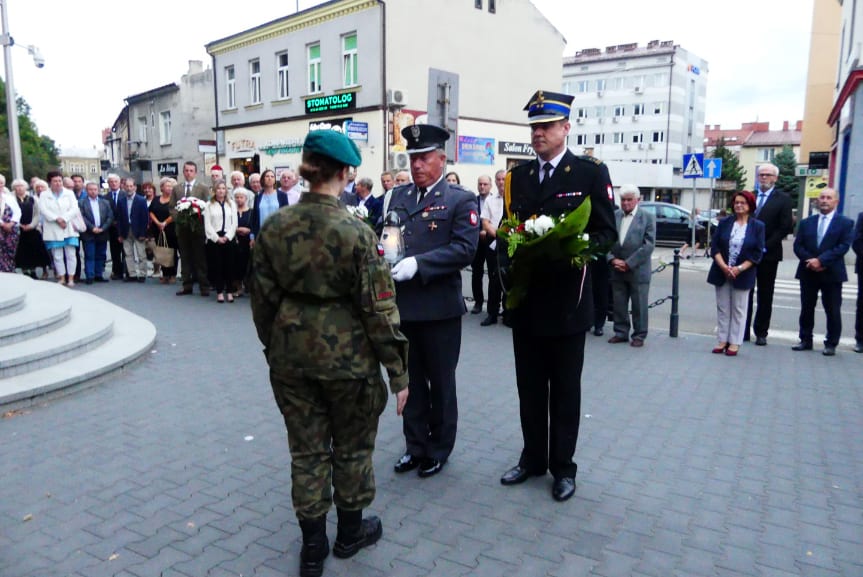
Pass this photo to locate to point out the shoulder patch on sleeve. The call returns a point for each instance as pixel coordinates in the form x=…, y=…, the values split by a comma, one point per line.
x=474, y=219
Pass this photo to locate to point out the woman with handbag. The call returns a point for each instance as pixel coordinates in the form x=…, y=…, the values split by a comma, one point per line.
x=162, y=225
x=220, y=227
x=59, y=207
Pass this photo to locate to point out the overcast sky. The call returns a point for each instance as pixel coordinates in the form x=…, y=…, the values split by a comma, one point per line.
x=98, y=52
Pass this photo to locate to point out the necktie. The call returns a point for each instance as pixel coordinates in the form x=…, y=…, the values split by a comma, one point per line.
x=188, y=188
x=546, y=172
x=822, y=227
x=421, y=194
x=761, y=198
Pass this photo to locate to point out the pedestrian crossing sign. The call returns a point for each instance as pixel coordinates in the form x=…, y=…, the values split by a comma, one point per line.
x=693, y=165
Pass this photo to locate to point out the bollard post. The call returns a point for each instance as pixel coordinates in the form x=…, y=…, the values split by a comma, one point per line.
x=675, y=295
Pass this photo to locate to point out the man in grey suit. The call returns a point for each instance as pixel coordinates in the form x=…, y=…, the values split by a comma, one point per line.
x=192, y=257
x=629, y=258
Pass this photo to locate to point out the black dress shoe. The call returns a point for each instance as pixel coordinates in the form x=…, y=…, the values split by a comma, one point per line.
x=488, y=321
x=184, y=292
x=88, y=281
x=476, y=309
x=100, y=279
x=829, y=351
x=429, y=467
x=563, y=488
x=761, y=341
x=516, y=475
x=858, y=348
x=802, y=346
x=598, y=331
x=407, y=463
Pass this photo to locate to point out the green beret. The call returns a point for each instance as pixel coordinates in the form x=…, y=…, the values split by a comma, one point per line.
x=334, y=145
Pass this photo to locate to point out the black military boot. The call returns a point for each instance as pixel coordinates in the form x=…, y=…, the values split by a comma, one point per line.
x=355, y=533
x=316, y=546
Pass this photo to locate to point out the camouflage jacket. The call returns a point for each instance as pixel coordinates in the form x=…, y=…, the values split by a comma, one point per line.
x=323, y=298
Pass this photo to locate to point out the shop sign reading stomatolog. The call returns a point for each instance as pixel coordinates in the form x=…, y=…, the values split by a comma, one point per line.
x=332, y=103
x=475, y=150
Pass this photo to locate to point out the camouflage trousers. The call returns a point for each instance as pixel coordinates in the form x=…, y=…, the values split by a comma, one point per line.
x=331, y=433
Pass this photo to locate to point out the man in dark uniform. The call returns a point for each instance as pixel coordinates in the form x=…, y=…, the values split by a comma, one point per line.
x=440, y=225
x=550, y=323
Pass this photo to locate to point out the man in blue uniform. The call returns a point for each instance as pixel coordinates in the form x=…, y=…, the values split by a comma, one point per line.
x=550, y=323
x=440, y=225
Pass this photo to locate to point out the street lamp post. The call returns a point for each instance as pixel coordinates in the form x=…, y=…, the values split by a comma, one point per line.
x=11, y=101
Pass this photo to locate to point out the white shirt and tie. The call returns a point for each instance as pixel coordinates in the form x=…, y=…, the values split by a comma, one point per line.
x=626, y=222
x=824, y=224
x=761, y=199
x=97, y=216
x=547, y=168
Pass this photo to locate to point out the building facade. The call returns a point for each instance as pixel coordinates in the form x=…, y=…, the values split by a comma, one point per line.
x=846, y=115
x=83, y=161
x=161, y=128
x=642, y=105
x=359, y=66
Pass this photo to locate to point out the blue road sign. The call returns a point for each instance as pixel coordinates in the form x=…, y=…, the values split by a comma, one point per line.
x=693, y=165
x=713, y=168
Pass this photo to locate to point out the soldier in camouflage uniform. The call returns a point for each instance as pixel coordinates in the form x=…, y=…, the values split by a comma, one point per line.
x=323, y=302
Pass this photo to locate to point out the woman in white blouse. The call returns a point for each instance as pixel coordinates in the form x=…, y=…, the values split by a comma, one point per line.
x=220, y=227
x=58, y=207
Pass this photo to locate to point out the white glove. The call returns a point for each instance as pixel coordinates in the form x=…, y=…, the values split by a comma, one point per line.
x=405, y=269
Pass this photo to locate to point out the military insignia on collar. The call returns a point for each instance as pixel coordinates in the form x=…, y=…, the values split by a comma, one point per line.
x=415, y=131
x=566, y=168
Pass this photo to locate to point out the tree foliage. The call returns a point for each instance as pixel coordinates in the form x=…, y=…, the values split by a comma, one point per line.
x=38, y=152
x=788, y=180
x=731, y=169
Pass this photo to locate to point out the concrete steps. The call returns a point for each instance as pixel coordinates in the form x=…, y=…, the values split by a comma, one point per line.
x=53, y=338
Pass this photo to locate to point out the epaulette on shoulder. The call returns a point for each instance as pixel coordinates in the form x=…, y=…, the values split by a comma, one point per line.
x=591, y=159
x=520, y=166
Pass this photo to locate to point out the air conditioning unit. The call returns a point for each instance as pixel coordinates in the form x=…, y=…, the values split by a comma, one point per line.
x=579, y=120
x=615, y=119
x=600, y=93
x=635, y=118
x=400, y=161
x=640, y=146
x=638, y=89
x=397, y=98
x=625, y=147
x=651, y=146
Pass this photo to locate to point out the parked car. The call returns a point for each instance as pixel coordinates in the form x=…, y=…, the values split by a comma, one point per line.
x=674, y=224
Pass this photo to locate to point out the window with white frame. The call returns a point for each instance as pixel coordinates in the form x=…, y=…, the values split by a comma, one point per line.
x=255, y=81
x=637, y=137
x=766, y=154
x=617, y=138
x=600, y=84
x=615, y=83
x=658, y=136
x=142, y=128
x=314, y=59
x=582, y=86
x=165, y=127
x=657, y=108
x=230, y=87
x=638, y=109
x=581, y=139
x=599, y=111
x=283, y=86
x=599, y=138
x=349, y=60
x=619, y=110
x=581, y=112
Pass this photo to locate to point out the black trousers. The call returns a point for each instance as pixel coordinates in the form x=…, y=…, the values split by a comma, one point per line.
x=430, y=417
x=831, y=299
x=858, y=322
x=476, y=273
x=495, y=291
x=765, y=281
x=220, y=265
x=116, y=247
x=193, y=258
x=548, y=376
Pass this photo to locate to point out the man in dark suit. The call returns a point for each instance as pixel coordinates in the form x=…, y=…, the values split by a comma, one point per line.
x=441, y=230
x=113, y=196
x=858, y=268
x=550, y=323
x=629, y=260
x=483, y=254
x=193, y=259
x=773, y=208
x=364, y=197
x=98, y=217
x=132, y=220
x=821, y=243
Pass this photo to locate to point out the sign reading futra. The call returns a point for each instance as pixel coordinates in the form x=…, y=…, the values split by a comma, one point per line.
x=335, y=102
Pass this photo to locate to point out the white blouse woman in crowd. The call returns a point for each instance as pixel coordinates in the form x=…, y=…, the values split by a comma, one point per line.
x=220, y=227
x=58, y=207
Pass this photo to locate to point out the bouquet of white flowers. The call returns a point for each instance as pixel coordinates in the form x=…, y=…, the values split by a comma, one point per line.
x=190, y=213
x=362, y=213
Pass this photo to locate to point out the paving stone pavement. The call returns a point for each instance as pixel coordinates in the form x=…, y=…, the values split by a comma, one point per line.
x=690, y=464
